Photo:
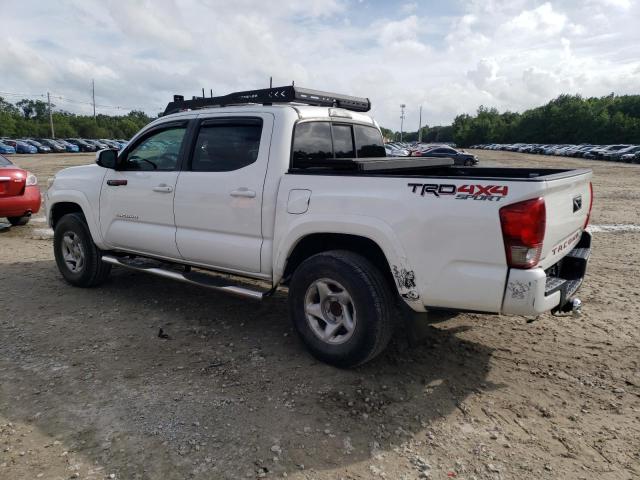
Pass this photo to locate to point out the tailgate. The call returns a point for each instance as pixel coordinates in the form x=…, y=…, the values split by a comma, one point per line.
x=12, y=182
x=567, y=202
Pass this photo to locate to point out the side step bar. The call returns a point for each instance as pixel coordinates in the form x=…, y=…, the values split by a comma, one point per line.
x=194, y=278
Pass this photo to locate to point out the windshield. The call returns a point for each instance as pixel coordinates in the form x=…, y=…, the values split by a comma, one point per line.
x=4, y=161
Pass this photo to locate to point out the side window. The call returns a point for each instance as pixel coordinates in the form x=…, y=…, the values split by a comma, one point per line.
x=312, y=141
x=368, y=142
x=227, y=146
x=343, y=141
x=157, y=152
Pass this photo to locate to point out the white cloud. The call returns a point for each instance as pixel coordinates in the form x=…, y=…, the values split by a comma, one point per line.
x=623, y=4
x=542, y=20
x=409, y=7
x=82, y=68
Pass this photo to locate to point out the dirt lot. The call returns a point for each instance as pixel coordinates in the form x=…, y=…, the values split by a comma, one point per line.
x=89, y=390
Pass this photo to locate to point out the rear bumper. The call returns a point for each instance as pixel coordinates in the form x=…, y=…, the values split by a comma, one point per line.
x=20, y=205
x=535, y=291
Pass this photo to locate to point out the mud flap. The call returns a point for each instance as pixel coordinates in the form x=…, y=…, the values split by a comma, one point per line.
x=416, y=325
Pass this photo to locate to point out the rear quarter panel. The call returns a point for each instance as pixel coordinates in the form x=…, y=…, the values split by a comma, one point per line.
x=451, y=246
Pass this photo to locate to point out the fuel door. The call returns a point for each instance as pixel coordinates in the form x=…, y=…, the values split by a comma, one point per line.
x=298, y=201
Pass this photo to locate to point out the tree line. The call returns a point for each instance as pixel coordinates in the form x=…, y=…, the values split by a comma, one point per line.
x=30, y=118
x=437, y=134
x=566, y=119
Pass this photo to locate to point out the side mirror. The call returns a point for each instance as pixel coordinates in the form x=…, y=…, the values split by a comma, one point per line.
x=107, y=158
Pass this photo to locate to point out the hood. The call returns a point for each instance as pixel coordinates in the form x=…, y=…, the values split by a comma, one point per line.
x=83, y=174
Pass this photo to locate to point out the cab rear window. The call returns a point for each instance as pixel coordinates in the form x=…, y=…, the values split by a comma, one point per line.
x=322, y=140
x=368, y=142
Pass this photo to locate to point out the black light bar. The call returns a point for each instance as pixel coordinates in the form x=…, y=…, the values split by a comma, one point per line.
x=268, y=96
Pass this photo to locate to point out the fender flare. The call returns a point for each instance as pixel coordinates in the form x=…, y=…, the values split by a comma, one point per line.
x=367, y=227
x=80, y=199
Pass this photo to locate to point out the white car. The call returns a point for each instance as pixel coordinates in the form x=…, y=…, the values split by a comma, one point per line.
x=291, y=189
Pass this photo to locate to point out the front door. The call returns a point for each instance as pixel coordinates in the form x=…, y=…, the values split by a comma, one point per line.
x=136, y=202
x=218, y=203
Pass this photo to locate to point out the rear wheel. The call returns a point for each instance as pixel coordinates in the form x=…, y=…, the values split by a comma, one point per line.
x=78, y=258
x=19, y=221
x=342, y=307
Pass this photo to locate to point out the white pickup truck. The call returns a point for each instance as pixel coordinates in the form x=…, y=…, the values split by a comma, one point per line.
x=287, y=186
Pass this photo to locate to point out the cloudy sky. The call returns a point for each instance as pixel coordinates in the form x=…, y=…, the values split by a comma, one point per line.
x=448, y=56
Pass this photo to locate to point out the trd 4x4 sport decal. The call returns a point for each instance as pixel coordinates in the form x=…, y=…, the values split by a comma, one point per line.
x=492, y=193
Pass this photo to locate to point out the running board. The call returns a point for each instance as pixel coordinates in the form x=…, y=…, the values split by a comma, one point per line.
x=194, y=278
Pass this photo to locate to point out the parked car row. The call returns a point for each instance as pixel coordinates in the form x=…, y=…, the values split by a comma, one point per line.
x=439, y=150
x=49, y=145
x=614, y=153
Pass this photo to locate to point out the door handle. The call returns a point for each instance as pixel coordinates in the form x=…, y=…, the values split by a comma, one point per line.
x=162, y=188
x=116, y=183
x=243, y=192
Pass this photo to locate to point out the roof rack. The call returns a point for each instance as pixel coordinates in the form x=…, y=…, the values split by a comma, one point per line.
x=269, y=96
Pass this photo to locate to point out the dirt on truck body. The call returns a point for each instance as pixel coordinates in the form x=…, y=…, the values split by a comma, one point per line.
x=89, y=389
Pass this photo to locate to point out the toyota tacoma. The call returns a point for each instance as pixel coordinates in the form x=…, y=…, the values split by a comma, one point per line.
x=291, y=186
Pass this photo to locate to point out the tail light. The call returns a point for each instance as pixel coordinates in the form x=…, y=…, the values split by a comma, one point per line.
x=586, y=222
x=31, y=179
x=523, y=225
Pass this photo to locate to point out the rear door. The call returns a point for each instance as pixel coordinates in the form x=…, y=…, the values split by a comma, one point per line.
x=218, y=204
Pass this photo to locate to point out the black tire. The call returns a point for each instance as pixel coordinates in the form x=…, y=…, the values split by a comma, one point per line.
x=93, y=270
x=19, y=221
x=372, y=300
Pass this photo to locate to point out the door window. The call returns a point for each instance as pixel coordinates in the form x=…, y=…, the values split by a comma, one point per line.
x=159, y=151
x=224, y=147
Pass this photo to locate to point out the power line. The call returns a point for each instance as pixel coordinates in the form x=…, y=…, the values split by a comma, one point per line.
x=70, y=100
x=23, y=94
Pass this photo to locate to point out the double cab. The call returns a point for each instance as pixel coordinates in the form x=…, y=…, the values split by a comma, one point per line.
x=292, y=187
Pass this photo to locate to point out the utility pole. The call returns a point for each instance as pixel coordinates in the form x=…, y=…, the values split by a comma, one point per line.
x=402, y=107
x=420, y=126
x=53, y=135
x=93, y=96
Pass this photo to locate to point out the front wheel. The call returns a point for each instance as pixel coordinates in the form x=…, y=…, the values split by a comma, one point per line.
x=78, y=258
x=342, y=308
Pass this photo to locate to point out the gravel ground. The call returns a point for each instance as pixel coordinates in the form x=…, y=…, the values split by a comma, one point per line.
x=89, y=390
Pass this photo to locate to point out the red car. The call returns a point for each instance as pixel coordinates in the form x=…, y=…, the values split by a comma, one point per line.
x=19, y=193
